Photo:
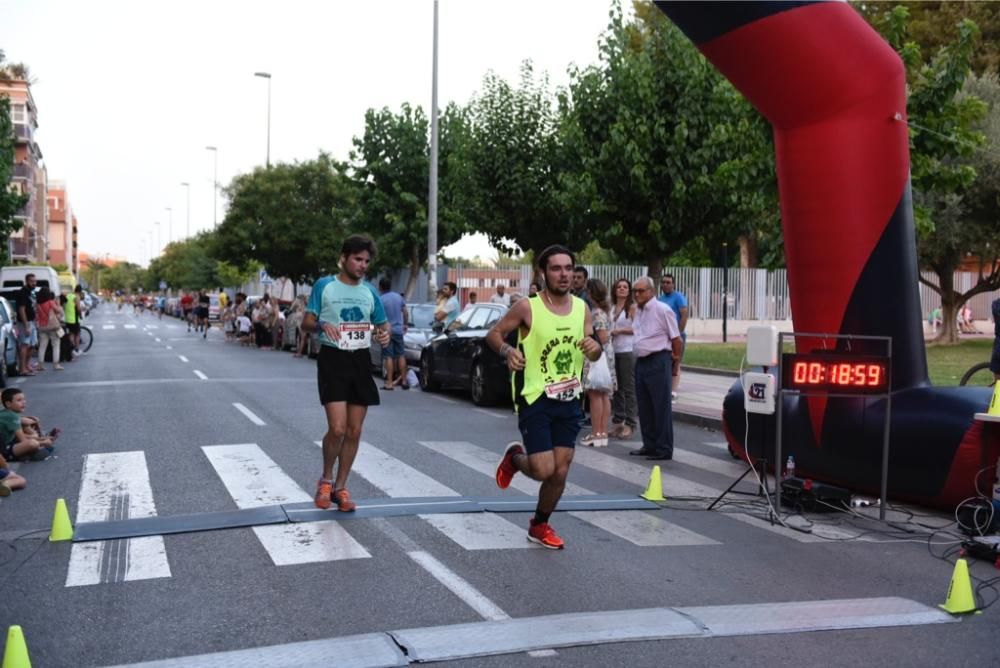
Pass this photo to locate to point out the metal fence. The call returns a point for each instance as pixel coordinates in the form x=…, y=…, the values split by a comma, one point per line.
x=751, y=294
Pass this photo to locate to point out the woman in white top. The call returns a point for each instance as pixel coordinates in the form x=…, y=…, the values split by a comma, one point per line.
x=623, y=404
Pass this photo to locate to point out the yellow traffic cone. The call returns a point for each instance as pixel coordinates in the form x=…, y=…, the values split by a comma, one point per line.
x=654, y=490
x=960, y=597
x=61, y=527
x=15, y=655
x=995, y=401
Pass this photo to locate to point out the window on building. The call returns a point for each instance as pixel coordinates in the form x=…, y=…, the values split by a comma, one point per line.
x=18, y=113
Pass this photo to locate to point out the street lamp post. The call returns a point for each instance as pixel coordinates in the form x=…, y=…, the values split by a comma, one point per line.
x=187, y=186
x=215, y=185
x=159, y=245
x=267, y=75
x=170, y=224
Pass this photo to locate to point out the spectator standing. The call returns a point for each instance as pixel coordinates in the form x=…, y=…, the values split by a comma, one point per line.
x=657, y=347
x=599, y=397
x=501, y=296
x=995, y=358
x=534, y=289
x=48, y=314
x=623, y=406
x=393, y=358
x=678, y=303
x=451, y=308
x=72, y=317
x=27, y=334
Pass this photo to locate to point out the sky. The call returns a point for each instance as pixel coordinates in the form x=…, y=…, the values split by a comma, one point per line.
x=129, y=94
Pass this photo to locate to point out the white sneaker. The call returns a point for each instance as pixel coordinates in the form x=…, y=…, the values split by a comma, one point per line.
x=673, y=396
x=600, y=441
x=587, y=440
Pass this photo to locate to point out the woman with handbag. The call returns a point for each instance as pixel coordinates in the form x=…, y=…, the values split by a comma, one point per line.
x=48, y=315
x=624, y=410
x=599, y=377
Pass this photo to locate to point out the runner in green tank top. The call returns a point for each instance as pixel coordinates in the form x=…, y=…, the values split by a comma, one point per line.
x=554, y=334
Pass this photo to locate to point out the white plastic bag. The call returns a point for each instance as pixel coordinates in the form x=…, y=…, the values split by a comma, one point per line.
x=411, y=378
x=599, y=376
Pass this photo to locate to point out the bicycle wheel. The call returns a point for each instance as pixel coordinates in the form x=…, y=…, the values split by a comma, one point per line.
x=86, y=338
x=978, y=376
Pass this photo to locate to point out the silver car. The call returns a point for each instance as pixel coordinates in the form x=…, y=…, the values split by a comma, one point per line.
x=8, y=361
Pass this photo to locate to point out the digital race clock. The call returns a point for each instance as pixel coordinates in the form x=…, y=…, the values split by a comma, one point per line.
x=836, y=372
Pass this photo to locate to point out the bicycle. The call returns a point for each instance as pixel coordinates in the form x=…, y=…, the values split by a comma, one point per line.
x=978, y=375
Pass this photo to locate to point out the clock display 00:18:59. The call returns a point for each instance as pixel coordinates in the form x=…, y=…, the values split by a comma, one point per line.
x=869, y=375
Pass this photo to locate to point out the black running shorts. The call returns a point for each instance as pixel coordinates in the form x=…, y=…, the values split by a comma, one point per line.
x=344, y=375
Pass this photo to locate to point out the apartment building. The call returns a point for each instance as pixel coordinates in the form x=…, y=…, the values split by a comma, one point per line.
x=62, y=236
x=29, y=244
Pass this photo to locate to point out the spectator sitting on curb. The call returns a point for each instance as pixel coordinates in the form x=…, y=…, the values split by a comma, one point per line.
x=22, y=435
x=9, y=480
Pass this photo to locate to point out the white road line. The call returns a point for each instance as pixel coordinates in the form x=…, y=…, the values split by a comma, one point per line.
x=253, y=479
x=129, y=326
x=638, y=528
x=723, y=445
x=108, y=327
x=157, y=339
x=474, y=531
x=183, y=359
x=250, y=415
x=170, y=347
x=200, y=375
x=490, y=413
x=471, y=596
x=116, y=486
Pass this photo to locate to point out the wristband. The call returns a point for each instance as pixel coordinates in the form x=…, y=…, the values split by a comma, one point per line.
x=505, y=350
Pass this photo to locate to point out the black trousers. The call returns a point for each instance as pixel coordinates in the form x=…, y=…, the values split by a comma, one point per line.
x=653, y=377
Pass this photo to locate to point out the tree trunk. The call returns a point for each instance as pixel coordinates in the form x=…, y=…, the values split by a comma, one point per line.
x=411, y=282
x=654, y=267
x=748, y=251
x=949, y=308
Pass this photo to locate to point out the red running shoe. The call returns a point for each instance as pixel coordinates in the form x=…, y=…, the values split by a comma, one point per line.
x=544, y=535
x=322, y=498
x=343, y=500
x=505, y=469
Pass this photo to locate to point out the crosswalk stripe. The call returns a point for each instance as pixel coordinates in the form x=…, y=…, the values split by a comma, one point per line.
x=638, y=528
x=129, y=326
x=116, y=486
x=108, y=327
x=477, y=531
x=253, y=479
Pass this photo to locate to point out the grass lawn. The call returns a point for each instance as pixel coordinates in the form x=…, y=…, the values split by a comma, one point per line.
x=947, y=364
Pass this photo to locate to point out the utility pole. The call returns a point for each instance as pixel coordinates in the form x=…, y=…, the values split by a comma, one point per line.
x=432, y=195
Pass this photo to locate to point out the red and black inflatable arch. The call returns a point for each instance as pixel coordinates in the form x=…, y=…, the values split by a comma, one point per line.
x=835, y=94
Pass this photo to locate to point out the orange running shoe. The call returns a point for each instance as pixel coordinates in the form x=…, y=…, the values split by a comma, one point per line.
x=343, y=499
x=322, y=498
x=544, y=535
x=505, y=469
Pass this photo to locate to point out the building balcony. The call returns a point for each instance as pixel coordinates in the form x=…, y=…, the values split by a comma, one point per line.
x=23, y=132
x=23, y=170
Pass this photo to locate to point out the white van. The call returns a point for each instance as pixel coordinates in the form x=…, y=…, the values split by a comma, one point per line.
x=12, y=279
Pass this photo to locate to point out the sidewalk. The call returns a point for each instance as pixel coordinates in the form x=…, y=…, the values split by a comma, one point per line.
x=700, y=396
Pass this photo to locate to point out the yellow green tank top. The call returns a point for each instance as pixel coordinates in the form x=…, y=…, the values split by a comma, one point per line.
x=553, y=362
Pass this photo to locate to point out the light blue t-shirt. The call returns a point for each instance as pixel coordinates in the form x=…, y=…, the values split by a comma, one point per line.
x=452, y=308
x=393, y=303
x=336, y=303
x=676, y=301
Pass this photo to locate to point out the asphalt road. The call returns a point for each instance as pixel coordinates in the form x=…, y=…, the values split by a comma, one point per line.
x=151, y=426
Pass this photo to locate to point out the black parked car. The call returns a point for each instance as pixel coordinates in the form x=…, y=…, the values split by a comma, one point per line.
x=459, y=358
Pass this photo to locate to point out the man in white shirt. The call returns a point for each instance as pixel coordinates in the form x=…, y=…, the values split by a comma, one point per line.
x=500, y=297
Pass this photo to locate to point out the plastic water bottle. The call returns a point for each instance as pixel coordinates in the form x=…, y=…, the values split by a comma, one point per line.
x=790, y=467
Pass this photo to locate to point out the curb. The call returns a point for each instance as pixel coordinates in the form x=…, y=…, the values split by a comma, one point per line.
x=709, y=371
x=703, y=421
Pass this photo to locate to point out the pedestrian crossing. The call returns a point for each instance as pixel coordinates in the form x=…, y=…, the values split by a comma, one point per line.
x=117, y=486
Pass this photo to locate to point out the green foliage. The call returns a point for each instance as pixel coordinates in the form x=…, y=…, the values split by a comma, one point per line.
x=391, y=163
x=184, y=265
x=124, y=276
x=10, y=200
x=290, y=217
x=509, y=184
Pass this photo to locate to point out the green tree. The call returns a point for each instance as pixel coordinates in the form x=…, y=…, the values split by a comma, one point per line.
x=510, y=186
x=184, y=265
x=945, y=135
x=391, y=163
x=290, y=218
x=12, y=196
x=124, y=276
x=92, y=274
x=932, y=25
x=652, y=128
